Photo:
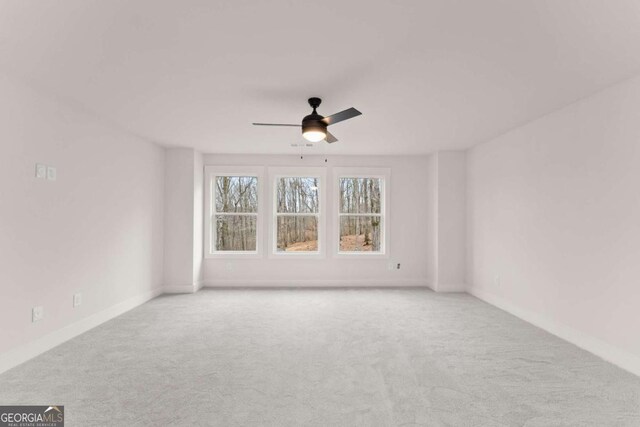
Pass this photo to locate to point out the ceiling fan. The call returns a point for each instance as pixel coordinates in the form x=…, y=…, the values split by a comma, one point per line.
x=314, y=126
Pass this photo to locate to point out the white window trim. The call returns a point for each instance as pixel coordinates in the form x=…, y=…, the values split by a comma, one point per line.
x=359, y=172
x=276, y=173
x=210, y=172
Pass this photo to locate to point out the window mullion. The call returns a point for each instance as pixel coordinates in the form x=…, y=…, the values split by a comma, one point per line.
x=236, y=213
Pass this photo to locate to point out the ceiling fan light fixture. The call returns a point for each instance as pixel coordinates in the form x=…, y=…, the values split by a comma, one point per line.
x=314, y=135
x=313, y=128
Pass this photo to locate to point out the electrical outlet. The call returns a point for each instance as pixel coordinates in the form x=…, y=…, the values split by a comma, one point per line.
x=394, y=265
x=37, y=313
x=41, y=171
x=52, y=173
x=77, y=299
x=398, y=266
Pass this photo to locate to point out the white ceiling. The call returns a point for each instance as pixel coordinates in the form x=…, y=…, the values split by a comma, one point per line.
x=427, y=75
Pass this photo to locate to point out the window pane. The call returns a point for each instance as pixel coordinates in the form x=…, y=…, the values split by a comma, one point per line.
x=360, y=233
x=297, y=233
x=236, y=194
x=360, y=195
x=235, y=232
x=297, y=195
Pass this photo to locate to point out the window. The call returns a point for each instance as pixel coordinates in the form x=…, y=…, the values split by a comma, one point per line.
x=233, y=222
x=361, y=223
x=297, y=213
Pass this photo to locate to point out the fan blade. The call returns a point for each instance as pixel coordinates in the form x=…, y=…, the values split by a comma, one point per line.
x=341, y=116
x=274, y=124
x=330, y=138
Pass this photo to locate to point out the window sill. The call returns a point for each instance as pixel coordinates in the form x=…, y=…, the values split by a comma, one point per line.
x=297, y=255
x=361, y=255
x=233, y=255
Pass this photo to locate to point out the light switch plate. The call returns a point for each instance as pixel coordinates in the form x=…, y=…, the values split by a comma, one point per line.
x=37, y=313
x=77, y=299
x=41, y=171
x=52, y=173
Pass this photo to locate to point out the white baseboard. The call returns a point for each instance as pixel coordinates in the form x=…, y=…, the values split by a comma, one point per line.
x=612, y=354
x=182, y=289
x=451, y=287
x=335, y=283
x=21, y=354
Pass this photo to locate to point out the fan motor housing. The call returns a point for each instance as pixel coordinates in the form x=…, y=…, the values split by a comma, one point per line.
x=313, y=122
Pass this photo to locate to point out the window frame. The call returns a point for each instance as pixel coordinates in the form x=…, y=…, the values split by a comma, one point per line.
x=275, y=173
x=210, y=174
x=384, y=174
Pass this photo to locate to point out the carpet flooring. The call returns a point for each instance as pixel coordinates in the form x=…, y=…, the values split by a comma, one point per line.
x=316, y=357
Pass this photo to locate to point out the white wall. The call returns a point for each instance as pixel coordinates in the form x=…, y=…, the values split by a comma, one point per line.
x=446, y=221
x=407, y=237
x=97, y=229
x=198, y=218
x=431, y=220
x=179, y=218
x=554, y=223
x=183, y=220
x=452, y=216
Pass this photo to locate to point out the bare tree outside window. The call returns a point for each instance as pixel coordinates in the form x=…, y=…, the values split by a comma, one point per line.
x=360, y=215
x=235, y=213
x=297, y=211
